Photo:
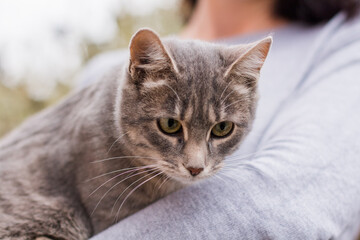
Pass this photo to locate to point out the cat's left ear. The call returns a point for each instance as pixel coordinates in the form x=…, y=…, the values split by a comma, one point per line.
x=148, y=54
x=250, y=61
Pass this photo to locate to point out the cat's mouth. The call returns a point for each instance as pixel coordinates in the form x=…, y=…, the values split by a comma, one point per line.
x=189, y=180
x=189, y=176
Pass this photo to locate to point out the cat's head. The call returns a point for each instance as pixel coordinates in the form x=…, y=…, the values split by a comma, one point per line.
x=186, y=105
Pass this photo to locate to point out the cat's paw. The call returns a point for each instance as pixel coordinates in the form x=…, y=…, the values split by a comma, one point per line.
x=42, y=238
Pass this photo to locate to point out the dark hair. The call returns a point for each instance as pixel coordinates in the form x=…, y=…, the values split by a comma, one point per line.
x=314, y=11
x=306, y=11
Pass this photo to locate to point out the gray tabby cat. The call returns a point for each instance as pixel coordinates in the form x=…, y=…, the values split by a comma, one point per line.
x=165, y=119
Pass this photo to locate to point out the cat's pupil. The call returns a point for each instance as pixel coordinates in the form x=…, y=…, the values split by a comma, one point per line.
x=222, y=126
x=171, y=123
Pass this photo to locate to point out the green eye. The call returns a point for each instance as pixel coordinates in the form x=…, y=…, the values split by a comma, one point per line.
x=169, y=125
x=222, y=129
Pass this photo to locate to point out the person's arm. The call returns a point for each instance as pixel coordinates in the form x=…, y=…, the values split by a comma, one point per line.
x=307, y=185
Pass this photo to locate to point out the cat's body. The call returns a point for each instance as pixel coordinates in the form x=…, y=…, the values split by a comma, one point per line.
x=51, y=166
x=49, y=162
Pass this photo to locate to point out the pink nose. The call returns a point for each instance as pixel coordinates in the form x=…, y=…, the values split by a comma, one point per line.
x=194, y=171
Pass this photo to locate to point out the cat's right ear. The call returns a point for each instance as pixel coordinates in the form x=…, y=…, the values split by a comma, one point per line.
x=147, y=54
x=250, y=62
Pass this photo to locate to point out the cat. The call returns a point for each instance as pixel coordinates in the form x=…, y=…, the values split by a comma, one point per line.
x=165, y=119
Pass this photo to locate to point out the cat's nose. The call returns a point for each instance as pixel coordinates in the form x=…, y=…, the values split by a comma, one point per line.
x=194, y=171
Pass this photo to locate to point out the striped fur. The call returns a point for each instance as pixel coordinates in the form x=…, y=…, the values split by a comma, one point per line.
x=46, y=164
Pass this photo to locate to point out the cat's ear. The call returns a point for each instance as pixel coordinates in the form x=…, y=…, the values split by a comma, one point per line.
x=250, y=61
x=148, y=54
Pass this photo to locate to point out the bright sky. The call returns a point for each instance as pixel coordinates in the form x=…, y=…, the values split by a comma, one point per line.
x=41, y=40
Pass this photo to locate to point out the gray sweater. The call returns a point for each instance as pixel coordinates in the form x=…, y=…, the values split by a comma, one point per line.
x=297, y=175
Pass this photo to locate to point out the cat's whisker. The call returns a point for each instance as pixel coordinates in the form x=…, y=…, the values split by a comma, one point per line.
x=119, y=170
x=225, y=89
x=233, y=168
x=132, y=191
x=255, y=169
x=230, y=169
x=169, y=165
x=227, y=97
x=228, y=176
x=118, y=198
x=218, y=167
x=234, y=173
x=233, y=103
x=167, y=85
x=243, y=166
x=242, y=156
x=232, y=165
x=218, y=177
x=121, y=157
x=166, y=179
x=158, y=181
x=114, y=187
x=116, y=141
x=130, y=171
x=236, y=162
x=237, y=158
x=269, y=146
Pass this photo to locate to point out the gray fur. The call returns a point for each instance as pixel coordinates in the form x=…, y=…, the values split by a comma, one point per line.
x=46, y=163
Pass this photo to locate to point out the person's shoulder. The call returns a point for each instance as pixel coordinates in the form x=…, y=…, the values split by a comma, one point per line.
x=337, y=45
x=348, y=27
x=341, y=34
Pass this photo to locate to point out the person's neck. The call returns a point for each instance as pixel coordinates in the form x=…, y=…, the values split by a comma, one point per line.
x=213, y=19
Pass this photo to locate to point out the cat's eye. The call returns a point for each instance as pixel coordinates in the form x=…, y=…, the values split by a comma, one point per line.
x=222, y=129
x=169, y=125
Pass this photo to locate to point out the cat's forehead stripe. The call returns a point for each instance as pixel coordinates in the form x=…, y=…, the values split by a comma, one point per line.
x=189, y=112
x=154, y=84
x=184, y=106
x=211, y=113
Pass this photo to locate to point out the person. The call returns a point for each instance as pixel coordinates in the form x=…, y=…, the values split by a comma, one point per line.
x=296, y=175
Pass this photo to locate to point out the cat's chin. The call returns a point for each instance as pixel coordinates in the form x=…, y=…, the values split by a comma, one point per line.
x=181, y=176
x=187, y=180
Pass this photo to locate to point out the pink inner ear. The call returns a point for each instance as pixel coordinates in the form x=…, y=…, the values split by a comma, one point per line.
x=144, y=44
x=263, y=47
x=148, y=53
x=251, y=59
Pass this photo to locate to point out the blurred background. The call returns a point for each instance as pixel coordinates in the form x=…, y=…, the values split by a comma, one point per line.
x=45, y=44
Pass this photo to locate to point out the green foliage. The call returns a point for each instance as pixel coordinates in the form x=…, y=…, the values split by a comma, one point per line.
x=15, y=105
